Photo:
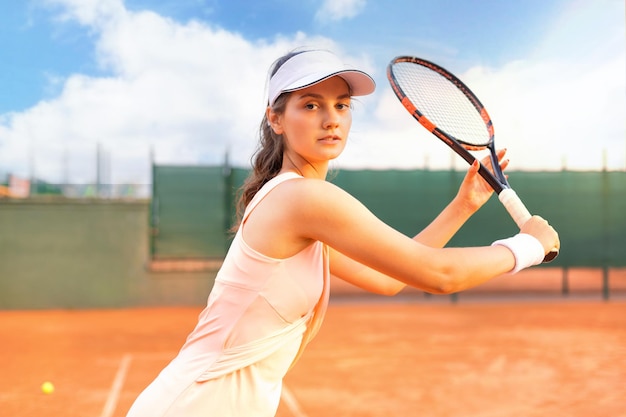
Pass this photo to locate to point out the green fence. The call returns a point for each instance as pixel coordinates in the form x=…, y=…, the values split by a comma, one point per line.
x=587, y=208
x=192, y=208
x=190, y=212
x=69, y=253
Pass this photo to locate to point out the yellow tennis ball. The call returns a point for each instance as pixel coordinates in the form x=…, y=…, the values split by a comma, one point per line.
x=47, y=387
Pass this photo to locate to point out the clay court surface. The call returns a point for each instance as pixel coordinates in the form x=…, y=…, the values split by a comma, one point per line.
x=497, y=355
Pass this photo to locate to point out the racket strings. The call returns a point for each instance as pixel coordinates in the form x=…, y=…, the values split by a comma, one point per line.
x=442, y=102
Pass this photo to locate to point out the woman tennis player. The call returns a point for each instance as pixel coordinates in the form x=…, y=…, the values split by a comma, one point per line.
x=295, y=230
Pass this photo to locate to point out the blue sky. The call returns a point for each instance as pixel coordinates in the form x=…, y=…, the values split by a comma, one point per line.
x=185, y=79
x=35, y=46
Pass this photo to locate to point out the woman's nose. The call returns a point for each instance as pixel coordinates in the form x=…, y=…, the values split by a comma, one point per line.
x=332, y=119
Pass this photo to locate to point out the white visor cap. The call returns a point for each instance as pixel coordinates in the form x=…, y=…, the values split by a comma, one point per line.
x=311, y=67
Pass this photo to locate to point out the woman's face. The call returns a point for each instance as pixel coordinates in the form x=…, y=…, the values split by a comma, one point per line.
x=316, y=121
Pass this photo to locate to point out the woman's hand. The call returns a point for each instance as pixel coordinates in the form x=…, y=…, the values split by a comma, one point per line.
x=543, y=232
x=474, y=191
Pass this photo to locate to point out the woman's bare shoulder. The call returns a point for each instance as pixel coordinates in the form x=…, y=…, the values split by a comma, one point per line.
x=306, y=195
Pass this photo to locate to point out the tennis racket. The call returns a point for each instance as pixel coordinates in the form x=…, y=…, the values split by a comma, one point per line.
x=448, y=109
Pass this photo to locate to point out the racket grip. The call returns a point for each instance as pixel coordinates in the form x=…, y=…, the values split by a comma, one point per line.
x=520, y=214
x=514, y=206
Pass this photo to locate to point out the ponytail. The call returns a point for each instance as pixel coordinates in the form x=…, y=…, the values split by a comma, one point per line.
x=267, y=160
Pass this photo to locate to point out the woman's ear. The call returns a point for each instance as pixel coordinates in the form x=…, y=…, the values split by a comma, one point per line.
x=274, y=121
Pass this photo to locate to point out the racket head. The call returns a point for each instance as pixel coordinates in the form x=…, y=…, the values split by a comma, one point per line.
x=441, y=102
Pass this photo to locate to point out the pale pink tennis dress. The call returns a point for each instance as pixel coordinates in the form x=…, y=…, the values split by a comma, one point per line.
x=259, y=316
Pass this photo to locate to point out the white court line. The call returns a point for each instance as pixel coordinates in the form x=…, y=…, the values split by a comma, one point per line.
x=292, y=404
x=116, y=387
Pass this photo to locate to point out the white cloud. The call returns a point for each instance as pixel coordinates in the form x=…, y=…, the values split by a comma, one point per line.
x=560, y=106
x=89, y=12
x=191, y=91
x=336, y=10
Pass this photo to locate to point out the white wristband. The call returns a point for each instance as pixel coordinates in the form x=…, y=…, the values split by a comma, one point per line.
x=527, y=250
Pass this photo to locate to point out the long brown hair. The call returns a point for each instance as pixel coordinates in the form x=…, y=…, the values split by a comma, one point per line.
x=267, y=160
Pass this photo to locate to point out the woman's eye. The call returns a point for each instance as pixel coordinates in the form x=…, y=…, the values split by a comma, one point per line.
x=310, y=106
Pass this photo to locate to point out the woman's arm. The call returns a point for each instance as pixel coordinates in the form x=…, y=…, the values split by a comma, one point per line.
x=366, y=251
x=322, y=211
x=435, y=235
x=473, y=193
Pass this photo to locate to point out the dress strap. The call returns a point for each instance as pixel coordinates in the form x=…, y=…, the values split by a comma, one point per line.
x=267, y=187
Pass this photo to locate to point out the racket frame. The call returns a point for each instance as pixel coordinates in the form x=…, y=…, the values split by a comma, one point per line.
x=497, y=179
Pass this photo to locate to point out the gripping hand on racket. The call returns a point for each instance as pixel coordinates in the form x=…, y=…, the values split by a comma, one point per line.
x=475, y=191
x=540, y=228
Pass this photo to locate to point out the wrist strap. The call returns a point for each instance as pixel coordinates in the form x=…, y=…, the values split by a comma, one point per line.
x=527, y=250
